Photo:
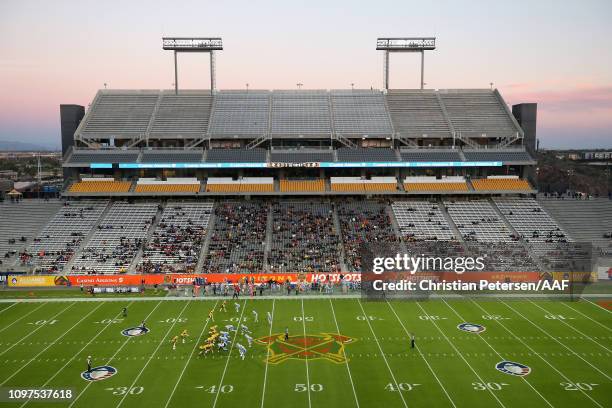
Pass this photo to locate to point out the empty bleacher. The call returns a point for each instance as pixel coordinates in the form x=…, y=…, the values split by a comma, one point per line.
x=240, y=113
x=117, y=239
x=360, y=112
x=421, y=220
x=430, y=183
x=103, y=156
x=298, y=156
x=301, y=186
x=183, y=115
x=474, y=112
x=493, y=183
x=430, y=155
x=171, y=185
x=25, y=218
x=300, y=113
x=100, y=186
x=119, y=113
x=56, y=244
x=416, y=113
x=478, y=221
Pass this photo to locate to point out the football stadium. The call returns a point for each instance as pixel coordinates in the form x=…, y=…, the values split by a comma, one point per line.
x=304, y=247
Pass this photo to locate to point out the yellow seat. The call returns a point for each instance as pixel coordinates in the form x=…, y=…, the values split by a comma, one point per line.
x=167, y=188
x=499, y=184
x=461, y=186
x=100, y=187
x=302, y=185
x=348, y=187
x=380, y=186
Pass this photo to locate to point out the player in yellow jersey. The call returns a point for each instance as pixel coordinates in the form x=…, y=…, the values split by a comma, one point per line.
x=205, y=348
x=173, y=341
x=222, y=308
x=211, y=316
x=184, y=335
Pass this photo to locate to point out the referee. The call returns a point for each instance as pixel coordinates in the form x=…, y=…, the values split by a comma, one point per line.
x=411, y=341
x=89, y=364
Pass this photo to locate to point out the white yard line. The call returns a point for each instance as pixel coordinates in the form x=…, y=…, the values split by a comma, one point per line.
x=587, y=316
x=195, y=347
x=50, y=344
x=112, y=357
x=77, y=353
x=555, y=339
x=499, y=355
x=7, y=308
x=459, y=353
x=422, y=356
x=306, y=354
x=568, y=325
x=263, y=392
x=229, y=354
x=23, y=316
x=536, y=353
x=344, y=353
x=37, y=329
x=154, y=352
x=595, y=304
x=382, y=353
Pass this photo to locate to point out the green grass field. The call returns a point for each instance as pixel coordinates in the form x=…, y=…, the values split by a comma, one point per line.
x=568, y=347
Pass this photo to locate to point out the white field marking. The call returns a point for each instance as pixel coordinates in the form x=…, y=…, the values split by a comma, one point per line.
x=25, y=315
x=498, y=354
x=305, y=353
x=382, y=353
x=7, y=308
x=154, y=352
x=459, y=354
x=229, y=354
x=76, y=354
x=587, y=316
x=534, y=352
x=568, y=325
x=263, y=392
x=422, y=356
x=126, y=341
x=37, y=328
x=344, y=353
x=555, y=339
x=50, y=344
x=195, y=347
x=596, y=305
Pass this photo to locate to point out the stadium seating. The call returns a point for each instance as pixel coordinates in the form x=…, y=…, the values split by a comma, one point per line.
x=360, y=112
x=366, y=155
x=478, y=221
x=56, y=244
x=363, y=222
x=238, y=240
x=183, y=115
x=417, y=113
x=24, y=218
x=237, y=113
x=300, y=113
x=117, y=239
x=348, y=187
x=236, y=156
x=505, y=155
x=177, y=241
x=171, y=185
x=106, y=186
x=430, y=183
x=501, y=184
x=421, y=220
x=103, y=156
x=301, y=157
x=303, y=238
x=430, y=155
x=302, y=185
x=171, y=156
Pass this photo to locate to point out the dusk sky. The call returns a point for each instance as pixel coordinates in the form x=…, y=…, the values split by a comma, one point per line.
x=555, y=53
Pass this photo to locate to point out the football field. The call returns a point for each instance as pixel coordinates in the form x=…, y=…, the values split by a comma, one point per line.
x=341, y=352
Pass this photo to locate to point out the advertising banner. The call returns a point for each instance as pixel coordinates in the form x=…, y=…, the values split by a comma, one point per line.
x=36, y=280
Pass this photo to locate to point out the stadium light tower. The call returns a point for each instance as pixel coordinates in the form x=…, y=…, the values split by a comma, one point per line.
x=405, y=44
x=193, y=44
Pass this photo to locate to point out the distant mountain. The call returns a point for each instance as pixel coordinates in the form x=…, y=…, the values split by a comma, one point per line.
x=6, y=145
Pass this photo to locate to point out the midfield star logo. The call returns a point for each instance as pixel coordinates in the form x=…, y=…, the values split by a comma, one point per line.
x=327, y=346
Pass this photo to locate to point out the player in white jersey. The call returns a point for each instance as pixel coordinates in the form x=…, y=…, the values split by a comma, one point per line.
x=222, y=345
x=241, y=350
x=244, y=329
x=237, y=306
x=255, y=316
x=249, y=339
x=270, y=318
x=230, y=327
